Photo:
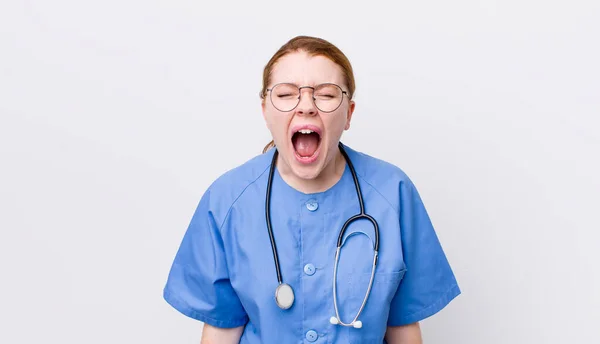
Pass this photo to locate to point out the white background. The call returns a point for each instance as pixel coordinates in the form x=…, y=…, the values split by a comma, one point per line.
x=116, y=115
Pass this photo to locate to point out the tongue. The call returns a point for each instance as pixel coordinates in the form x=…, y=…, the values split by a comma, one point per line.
x=306, y=144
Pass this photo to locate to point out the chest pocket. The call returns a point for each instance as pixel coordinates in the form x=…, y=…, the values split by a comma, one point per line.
x=375, y=312
x=354, y=273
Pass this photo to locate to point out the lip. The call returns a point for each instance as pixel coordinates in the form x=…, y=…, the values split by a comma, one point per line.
x=315, y=156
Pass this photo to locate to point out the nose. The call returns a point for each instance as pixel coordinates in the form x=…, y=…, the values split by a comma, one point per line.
x=306, y=106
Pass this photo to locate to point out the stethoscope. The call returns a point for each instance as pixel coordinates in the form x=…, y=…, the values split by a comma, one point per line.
x=284, y=294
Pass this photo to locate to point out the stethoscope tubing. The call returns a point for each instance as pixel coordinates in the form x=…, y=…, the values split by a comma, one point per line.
x=361, y=215
x=268, y=218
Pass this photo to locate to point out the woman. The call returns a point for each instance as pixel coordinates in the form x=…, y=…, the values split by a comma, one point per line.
x=259, y=261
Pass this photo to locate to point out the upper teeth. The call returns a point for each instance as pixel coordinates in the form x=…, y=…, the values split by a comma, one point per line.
x=305, y=131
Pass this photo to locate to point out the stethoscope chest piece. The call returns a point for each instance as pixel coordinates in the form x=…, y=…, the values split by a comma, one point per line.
x=284, y=296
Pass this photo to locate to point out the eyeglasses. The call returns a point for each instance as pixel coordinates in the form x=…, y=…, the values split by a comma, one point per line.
x=326, y=97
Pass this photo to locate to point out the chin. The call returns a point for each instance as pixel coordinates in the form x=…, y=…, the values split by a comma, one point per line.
x=307, y=173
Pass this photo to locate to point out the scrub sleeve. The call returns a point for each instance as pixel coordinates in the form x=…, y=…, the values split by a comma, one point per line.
x=429, y=283
x=198, y=284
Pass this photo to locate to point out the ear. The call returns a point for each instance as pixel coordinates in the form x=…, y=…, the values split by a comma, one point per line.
x=349, y=114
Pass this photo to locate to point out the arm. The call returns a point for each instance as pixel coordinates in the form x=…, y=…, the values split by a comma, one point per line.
x=216, y=335
x=407, y=334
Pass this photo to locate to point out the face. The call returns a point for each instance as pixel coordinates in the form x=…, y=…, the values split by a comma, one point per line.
x=306, y=137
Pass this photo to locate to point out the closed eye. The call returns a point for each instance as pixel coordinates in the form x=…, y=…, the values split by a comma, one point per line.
x=327, y=96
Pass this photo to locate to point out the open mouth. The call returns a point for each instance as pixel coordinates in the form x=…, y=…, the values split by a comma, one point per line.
x=306, y=143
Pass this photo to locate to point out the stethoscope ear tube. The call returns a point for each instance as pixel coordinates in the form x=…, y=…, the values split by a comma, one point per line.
x=337, y=320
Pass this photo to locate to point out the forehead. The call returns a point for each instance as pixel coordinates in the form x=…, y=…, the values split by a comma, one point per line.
x=303, y=69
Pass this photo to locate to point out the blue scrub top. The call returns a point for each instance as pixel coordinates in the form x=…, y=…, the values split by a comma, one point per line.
x=223, y=273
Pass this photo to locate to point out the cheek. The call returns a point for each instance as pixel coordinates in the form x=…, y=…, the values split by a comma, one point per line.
x=277, y=123
x=337, y=123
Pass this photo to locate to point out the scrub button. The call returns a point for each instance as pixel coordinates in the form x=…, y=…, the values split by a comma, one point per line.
x=309, y=269
x=311, y=336
x=312, y=205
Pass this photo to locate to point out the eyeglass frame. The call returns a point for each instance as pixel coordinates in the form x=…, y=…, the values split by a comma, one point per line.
x=313, y=95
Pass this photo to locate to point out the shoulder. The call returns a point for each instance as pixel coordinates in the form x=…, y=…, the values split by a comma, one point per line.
x=383, y=177
x=227, y=188
x=371, y=167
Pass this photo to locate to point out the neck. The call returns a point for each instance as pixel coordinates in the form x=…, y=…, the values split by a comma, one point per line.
x=329, y=176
